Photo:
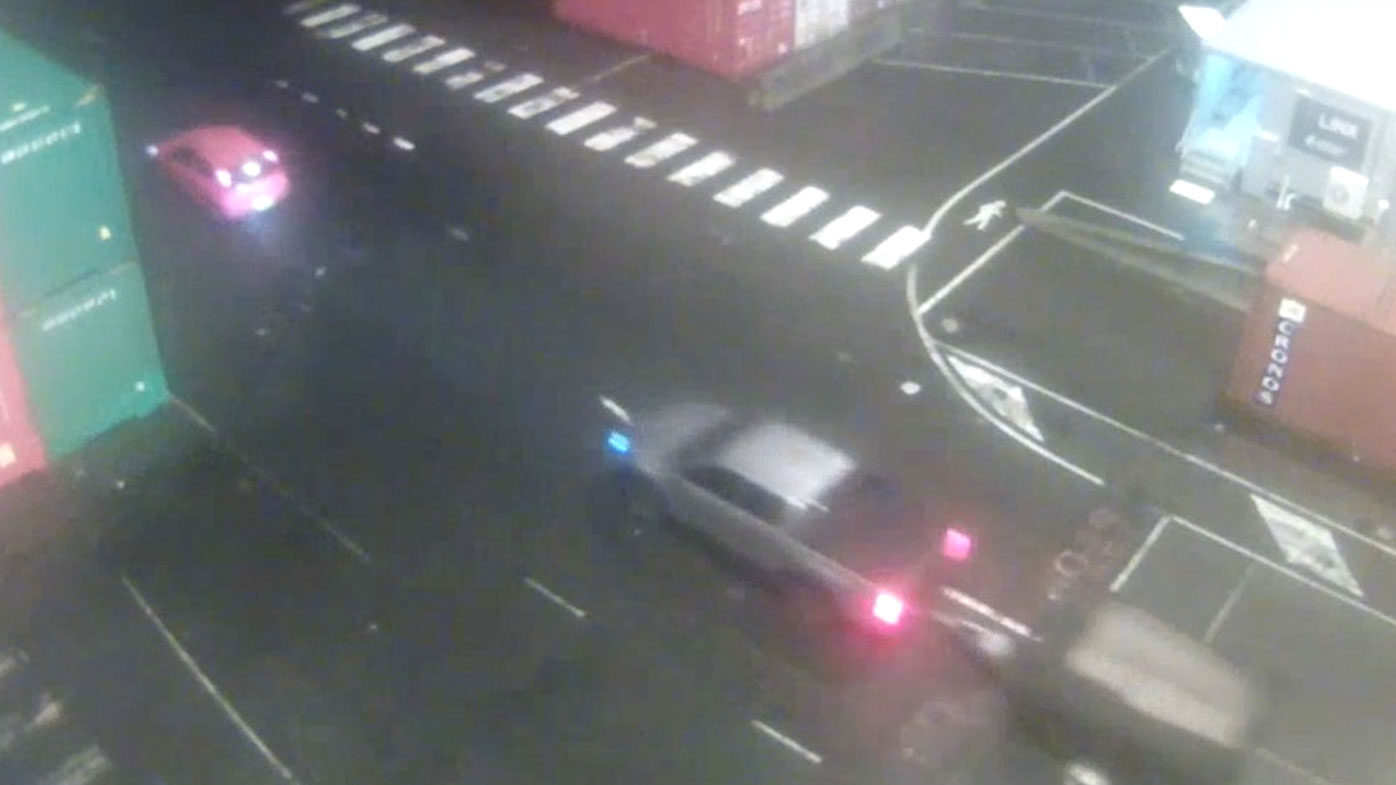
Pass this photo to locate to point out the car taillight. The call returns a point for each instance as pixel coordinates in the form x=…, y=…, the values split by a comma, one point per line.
x=956, y=545
x=888, y=608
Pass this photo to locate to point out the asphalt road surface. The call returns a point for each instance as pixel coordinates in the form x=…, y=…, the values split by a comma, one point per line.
x=384, y=544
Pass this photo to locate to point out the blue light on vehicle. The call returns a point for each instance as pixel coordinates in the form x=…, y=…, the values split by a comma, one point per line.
x=618, y=443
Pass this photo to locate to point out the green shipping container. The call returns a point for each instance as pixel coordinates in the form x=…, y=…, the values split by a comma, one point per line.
x=89, y=358
x=63, y=212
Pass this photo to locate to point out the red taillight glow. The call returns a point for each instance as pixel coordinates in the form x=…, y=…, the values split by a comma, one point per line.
x=888, y=608
x=956, y=545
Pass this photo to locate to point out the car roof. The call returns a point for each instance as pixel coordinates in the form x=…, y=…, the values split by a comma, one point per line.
x=223, y=146
x=785, y=461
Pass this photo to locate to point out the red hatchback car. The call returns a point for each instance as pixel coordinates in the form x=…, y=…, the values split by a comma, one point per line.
x=226, y=168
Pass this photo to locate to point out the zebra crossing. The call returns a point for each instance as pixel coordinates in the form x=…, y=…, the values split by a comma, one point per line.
x=39, y=742
x=778, y=202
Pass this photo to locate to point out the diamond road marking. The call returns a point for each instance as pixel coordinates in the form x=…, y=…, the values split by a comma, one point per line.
x=543, y=103
x=704, y=168
x=615, y=137
x=511, y=86
x=795, y=207
x=664, y=149
x=1308, y=545
x=845, y=227
x=444, y=60
x=382, y=37
x=902, y=243
x=1001, y=395
x=408, y=51
x=330, y=15
x=581, y=118
x=749, y=187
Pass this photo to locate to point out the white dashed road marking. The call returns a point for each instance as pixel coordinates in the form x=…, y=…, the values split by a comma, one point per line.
x=463, y=80
x=898, y=246
x=787, y=742
x=511, y=86
x=444, y=60
x=354, y=26
x=330, y=15
x=749, y=187
x=615, y=137
x=704, y=168
x=581, y=118
x=554, y=598
x=660, y=151
x=408, y=51
x=536, y=106
x=386, y=36
x=795, y=207
x=845, y=227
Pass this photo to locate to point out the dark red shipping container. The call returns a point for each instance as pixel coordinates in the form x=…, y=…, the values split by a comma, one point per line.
x=730, y=38
x=1318, y=353
x=21, y=450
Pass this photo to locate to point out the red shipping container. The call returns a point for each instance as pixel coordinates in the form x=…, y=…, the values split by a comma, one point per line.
x=1318, y=353
x=21, y=450
x=730, y=38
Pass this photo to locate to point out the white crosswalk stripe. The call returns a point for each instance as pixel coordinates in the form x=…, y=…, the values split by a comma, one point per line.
x=356, y=25
x=897, y=247
x=845, y=227
x=615, y=137
x=407, y=51
x=543, y=103
x=581, y=118
x=80, y=768
x=704, y=168
x=796, y=207
x=385, y=36
x=463, y=79
x=443, y=60
x=660, y=151
x=330, y=15
x=301, y=6
x=749, y=187
x=512, y=86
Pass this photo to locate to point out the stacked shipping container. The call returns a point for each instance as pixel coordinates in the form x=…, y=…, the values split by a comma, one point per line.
x=77, y=349
x=731, y=38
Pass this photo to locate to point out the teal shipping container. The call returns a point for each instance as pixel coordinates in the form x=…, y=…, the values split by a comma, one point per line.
x=89, y=359
x=63, y=212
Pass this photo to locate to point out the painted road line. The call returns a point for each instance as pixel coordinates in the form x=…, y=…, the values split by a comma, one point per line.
x=407, y=51
x=463, y=80
x=1004, y=397
x=11, y=661
x=612, y=138
x=330, y=15
x=983, y=259
x=1125, y=216
x=212, y=689
x=704, y=168
x=615, y=409
x=301, y=6
x=787, y=742
x=1138, y=557
x=509, y=87
x=845, y=227
x=749, y=187
x=554, y=598
x=896, y=247
x=354, y=26
x=1292, y=767
x=385, y=36
x=443, y=60
x=617, y=68
x=581, y=118
x=1312, y=583
x=536, y=106
x=1230, y=604
x=660, y=151
x=80, y=768
x=956, y=69
x=795, y=207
